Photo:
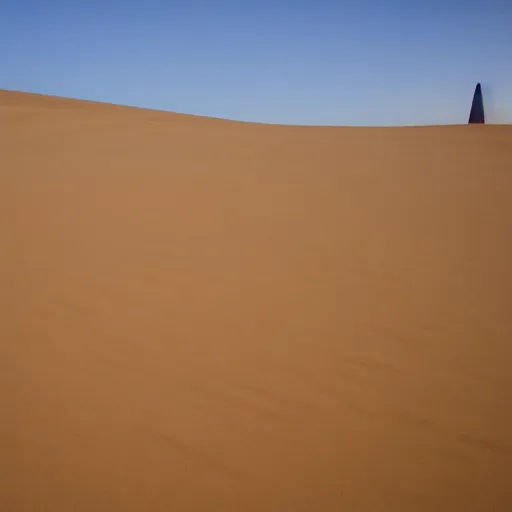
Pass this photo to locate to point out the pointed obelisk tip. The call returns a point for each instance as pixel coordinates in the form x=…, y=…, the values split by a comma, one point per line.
x=476, y=116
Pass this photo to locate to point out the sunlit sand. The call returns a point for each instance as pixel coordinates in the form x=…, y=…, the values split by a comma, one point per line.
x=205, y=315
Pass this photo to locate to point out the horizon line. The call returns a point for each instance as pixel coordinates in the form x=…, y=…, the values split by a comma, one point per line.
x=230, y=120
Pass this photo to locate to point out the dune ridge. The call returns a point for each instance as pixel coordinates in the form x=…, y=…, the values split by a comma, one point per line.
x=199, y=314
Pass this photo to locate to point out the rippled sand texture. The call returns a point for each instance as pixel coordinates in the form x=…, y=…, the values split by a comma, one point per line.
x=203, y=315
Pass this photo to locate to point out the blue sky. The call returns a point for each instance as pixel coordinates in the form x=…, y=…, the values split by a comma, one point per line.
x=318, y=62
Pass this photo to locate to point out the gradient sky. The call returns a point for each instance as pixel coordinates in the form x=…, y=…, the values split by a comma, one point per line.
x=356, y=62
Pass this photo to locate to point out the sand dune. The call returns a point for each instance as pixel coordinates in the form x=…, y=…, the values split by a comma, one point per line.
x=203, y=315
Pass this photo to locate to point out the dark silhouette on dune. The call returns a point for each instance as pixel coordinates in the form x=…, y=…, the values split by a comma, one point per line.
x=476, y=116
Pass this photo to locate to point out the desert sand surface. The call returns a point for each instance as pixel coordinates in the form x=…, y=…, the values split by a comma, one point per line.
x=206, y=315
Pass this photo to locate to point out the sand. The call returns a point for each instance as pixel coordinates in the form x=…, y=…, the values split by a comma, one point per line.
x=205, y=315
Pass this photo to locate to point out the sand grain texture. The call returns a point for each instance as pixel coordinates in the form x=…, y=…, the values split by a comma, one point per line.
x=203, y=315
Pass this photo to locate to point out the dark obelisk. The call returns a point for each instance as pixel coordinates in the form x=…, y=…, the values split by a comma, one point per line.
x=476, y=116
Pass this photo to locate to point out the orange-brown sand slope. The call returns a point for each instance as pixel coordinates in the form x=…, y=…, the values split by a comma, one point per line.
x=203, y=315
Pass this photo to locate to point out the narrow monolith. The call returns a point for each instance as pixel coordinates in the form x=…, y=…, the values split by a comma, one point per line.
x=476, y=116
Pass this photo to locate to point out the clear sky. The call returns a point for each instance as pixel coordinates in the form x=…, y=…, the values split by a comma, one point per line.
x=327, y=62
